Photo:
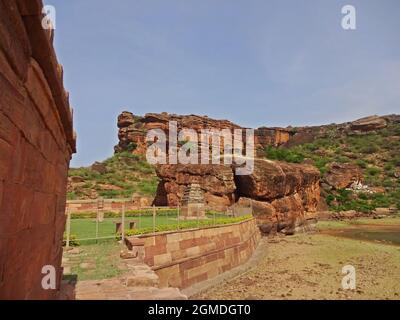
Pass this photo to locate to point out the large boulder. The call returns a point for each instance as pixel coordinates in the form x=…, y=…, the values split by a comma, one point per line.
x=343, y=175
x=217, y=182
x=271, y=180
x=285, y=196
x=370, y=123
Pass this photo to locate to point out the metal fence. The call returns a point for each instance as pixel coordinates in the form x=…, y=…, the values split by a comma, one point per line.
x=103, y=224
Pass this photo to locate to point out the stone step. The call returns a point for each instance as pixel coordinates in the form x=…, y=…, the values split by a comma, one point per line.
x=113, y=289
x=142, y=279
x=140, y=275
x=139, y=283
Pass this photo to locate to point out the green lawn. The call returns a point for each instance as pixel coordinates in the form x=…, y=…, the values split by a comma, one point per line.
x=102, y=261
x=83, y=230
x=86, y=228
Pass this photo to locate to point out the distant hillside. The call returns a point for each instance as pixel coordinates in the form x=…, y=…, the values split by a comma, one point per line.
x=120, y=176
x=359, y=161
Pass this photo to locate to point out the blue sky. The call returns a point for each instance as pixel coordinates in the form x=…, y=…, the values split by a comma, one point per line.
x=267, y=62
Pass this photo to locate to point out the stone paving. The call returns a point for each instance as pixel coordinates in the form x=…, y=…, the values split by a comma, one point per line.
x=140, y=283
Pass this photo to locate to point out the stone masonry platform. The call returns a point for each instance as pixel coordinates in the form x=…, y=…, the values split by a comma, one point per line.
x=140, y=283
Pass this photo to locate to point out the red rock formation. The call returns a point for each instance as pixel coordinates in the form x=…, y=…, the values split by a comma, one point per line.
x=270, y=137
x=217, y=182
x=133, y=129
x=36, y=143
x=284, y=195
x=342, y=175
x=369, y=124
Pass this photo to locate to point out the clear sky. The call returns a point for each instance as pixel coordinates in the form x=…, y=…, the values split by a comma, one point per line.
x=255, y=62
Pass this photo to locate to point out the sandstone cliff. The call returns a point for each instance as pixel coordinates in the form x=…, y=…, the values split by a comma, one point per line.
x=282, y=195
x=133, y=129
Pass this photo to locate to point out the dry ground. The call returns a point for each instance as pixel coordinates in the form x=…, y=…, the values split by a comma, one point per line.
x=309, y=267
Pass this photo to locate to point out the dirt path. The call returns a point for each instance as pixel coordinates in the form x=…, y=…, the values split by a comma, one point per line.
x=309, y=267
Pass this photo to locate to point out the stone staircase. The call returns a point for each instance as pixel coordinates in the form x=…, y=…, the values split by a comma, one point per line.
x=139, y=283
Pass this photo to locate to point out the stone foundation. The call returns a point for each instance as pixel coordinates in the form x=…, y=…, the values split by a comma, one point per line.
x=186, y=257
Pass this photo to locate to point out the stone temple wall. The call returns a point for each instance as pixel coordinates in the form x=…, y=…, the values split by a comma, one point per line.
x=36, y=143
x=186, y=257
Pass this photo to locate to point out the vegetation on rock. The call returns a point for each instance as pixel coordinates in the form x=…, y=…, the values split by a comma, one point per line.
x=124, y=174
x=376, y=153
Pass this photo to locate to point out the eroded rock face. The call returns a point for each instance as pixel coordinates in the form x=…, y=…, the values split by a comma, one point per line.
x=343, y=175
x=271, y=180
x=285, y=196
x=369, y=123
x=282, y=196
x=217, y=182
x=133, y=129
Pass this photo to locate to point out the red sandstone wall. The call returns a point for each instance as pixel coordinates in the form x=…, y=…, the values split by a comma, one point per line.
x=36, y=143
x=184, y=258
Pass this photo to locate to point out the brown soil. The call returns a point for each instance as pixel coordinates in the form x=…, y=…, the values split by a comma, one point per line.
x=309, y=267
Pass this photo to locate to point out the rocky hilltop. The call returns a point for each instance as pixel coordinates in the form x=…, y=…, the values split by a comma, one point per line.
x=289, y=193
x=348, y=169
x=133, y=129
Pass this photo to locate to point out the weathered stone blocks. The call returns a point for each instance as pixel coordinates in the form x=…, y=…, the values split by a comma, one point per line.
x=36, y=143
x=183, y=258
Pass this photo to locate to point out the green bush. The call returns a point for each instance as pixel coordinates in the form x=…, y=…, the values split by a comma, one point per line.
x=130, y=213
x=188, y=225
x=388, y=167
x=131, y=146
x=373, y=171
x=372, y=148
x=329, y=199
x=71, y=196
x=282, y=154
x=361, y=163
x=388, y=183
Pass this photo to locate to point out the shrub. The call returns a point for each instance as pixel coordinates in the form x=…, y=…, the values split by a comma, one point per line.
x=381, y=200
x=387, y=183
x=109, y=194
x=372, y=148
x=72, y=196
x=342, y=159
x=363, y=196
x=130, y=213
x=148, y=187
x=389, y=167
x=321, y=163
x=284, y=155
x=131, y=146
x=396, y=161
x=361, y=163
x=188, y=225
x=329, y=199
x=372, y=171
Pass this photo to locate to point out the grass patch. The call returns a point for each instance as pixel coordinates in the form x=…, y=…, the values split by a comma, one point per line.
x=84, y=229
